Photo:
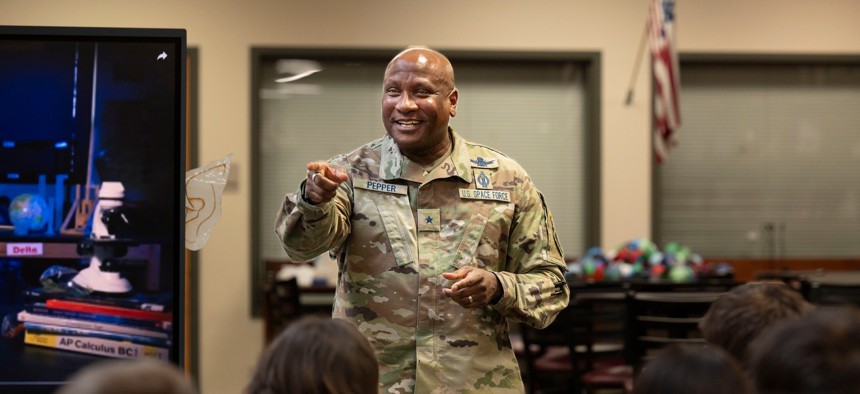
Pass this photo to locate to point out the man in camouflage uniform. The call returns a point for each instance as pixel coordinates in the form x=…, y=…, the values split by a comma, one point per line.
x=438, y=240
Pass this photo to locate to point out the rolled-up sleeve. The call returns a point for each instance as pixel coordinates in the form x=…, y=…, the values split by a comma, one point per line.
x=307, y=231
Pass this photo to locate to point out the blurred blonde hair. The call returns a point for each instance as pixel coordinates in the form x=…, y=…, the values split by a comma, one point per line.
x=135, y=376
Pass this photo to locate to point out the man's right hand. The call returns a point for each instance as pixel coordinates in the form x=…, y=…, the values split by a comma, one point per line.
x=323, y=181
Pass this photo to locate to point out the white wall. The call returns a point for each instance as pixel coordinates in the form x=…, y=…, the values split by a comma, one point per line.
x=224, y=31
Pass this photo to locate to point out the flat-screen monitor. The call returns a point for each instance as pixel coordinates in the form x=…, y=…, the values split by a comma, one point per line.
x=92, y=131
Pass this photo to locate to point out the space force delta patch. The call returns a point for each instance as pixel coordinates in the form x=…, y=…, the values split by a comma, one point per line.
x=475, y=194
x=381, y=187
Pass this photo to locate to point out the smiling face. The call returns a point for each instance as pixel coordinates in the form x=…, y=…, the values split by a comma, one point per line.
x=419, y=98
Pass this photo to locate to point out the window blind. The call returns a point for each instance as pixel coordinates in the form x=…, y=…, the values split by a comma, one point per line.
x=768, y=162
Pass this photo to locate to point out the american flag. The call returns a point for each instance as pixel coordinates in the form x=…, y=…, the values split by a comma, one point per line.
x=667, y=111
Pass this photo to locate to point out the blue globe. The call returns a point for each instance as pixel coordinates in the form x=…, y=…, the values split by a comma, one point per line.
x=28, y=212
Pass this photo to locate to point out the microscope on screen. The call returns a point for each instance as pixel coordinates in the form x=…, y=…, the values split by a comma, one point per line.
x=106, y=243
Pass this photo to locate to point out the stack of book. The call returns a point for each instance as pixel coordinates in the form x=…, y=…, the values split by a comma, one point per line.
x=99, y=325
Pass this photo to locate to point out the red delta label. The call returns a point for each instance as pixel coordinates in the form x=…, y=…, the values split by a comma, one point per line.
x=24, y=249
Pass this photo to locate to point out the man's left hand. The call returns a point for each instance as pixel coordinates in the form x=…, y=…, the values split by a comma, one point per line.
x=475, y=288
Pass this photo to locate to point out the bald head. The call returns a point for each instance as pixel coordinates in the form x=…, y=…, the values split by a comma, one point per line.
x=432, y=62
x=419, y=98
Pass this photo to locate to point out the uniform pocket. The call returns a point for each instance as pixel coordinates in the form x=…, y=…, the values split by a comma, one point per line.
x=382, y=236
x=473, y=231
x=493, y=245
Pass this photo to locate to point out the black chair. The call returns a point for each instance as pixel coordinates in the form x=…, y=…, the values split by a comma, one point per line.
x=281, y=306
x=657, y=319
x=583, y=349
x=717, y=285
x=832, y=288
x=823, y=294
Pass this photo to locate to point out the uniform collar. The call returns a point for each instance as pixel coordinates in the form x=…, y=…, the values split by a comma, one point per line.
x=394, y=165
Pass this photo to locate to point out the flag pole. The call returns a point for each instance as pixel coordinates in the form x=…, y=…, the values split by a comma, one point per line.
x=636, y=65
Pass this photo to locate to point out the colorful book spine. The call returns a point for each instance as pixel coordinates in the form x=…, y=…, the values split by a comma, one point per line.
x=28, y=317
x=108, y=310
x=158, y=304
x=61, y=330
x=95, y=346
x=42, y=309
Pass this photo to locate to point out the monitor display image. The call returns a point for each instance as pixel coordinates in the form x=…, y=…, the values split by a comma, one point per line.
x=92, y=131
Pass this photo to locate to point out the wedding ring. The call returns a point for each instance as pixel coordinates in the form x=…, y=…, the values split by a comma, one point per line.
x=314, y=177
x=470, y=299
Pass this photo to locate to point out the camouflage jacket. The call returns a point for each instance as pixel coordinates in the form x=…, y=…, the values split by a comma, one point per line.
x=395, y=229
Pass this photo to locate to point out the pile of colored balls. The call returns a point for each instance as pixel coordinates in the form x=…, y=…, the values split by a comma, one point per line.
x=641, y=259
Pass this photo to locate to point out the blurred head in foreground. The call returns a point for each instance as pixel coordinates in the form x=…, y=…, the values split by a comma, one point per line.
x=137, y=376
x=317, y=355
